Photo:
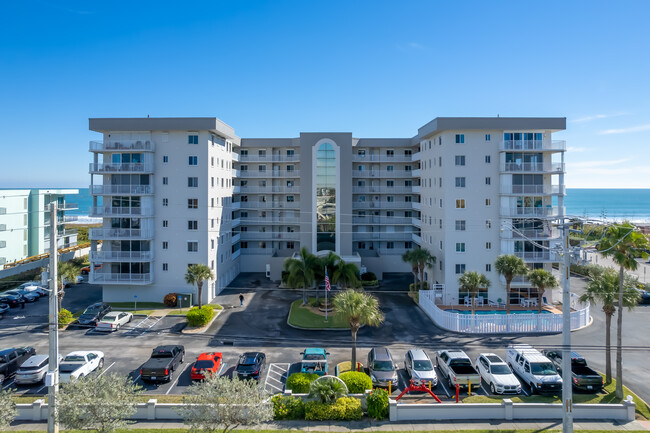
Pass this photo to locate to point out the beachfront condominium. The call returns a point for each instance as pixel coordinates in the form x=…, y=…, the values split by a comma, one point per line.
x=179, y=191
x=25, y=222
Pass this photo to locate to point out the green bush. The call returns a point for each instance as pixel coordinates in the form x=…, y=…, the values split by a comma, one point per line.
x=356, y=381
x=413, y=288
x=288, y=407
x=378, y=404
x=170, y=300
x=369, y=283
x=368, y=276
x=65, y=317
x=345, y=409
x=200, y=316
x=315, y=303
x=299, y=383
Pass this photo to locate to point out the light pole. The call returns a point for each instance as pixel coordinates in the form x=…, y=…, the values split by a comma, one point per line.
x=52, y=378
x=567, y=389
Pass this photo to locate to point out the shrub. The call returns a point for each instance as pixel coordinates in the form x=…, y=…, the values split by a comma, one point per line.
x=315, y=303
x=327, y=390
x=65, y=317
x=368, y=276
x=288, y=407
x=170, y=300
x=200, y=316
x=356, y=381
x=369, y=283
x=299, y=383
x=378, y=404
x=413, y=288
x=345, y=409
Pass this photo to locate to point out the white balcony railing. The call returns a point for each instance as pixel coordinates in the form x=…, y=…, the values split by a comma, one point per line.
x=235, y=156
x=537, y=256
x=539, y=234
x=269, y=205
x=382, y=173
x=269, y=173
x=382, y=205
x=121, y=189
x=258, y=251
x=533, y=189
x=382, y=189
x=120, y=234
x=142, y=167
x=533, y=167
x=235, y=222
x=381, y=236
x=116, y=278
x=108, y=211
x=263, y=236
x=539, y=145
x=269, y=158
x=373, y=220
x=235, y=238
x=282, y=220
x=267, y=189
x=513, y=212
x=121, y=256
x=119, y=145
x=382, y=158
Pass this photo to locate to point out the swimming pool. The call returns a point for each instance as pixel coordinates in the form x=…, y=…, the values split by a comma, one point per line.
x=497, y=312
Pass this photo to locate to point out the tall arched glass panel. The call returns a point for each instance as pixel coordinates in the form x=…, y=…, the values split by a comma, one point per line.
x=326, y=198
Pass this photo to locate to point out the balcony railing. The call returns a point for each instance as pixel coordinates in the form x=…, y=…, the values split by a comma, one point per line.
x=536, y=256
x=107, y=211
x=115, y=278
x=264, y=236
x=382, y=205
x=416, y=238
x=513, y=212
x=382, y=173
x=392, y=251
x=61, y=206
x=258, y=251
x=120, y=234
x=373, y=219
x=382, y=189
x=416, y=156
x=269, y=173
x=269, y=205
x=121, y=256
x=539, y=234
x=255, y=220
x=533, y=189
x=269, y=158
x=235, y=156
x=381, y=236
x=267, y=189
x=539, y=145
x=118, y=145
x=235, y=238
x=235, y=222
x=382, y=158
x=533, y=167
x=141, y=167
x=122, y=189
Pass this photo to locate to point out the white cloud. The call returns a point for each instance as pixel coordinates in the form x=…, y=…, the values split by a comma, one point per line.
x=638, y=128
x=592, y=164
x=576, y=149
x=595, y=117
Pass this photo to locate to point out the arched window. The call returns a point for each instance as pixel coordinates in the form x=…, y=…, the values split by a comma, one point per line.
x=326, y=198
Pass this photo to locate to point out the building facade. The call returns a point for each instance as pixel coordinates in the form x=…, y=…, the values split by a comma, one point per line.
x=466, y=189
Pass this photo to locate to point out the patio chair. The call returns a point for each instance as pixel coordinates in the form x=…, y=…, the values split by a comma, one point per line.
x=480, y=301
x=496, y=304
x=468, y=301
x=532, y=302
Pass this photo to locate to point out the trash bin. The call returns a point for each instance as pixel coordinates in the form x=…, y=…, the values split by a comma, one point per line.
x=184, y=300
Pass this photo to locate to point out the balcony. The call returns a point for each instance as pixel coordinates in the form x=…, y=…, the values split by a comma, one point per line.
x=382, y=173
x=417, y=205
x=121, y=256
x=417, y=189
x=382, y=189
x=257, y=251
x=533, y=145
x=120, y=234
x=111, y=278
x=121, y=189
x=236, y=205
x=265, y=236
x=381, y=236
x=417, y=222
x=235, y=222
x=107, y=211
x=235, y=156
x=267, y=189
x=536, y=256
x=534, y=234
x=416, y=238
x=540, y=212
x=269, y=173
x=61, y=206
x=236, y=238
x=382, y=220
x=382, y=205
x=533, y=189
x=392, y=251
x=533, y=167
x=269, y=158
x=382, y=158
x=119, y=145
x=235, y=255
x=141, y=167
x=416, y=156
x=254, y=220
x=269, y=205
x=235, y=173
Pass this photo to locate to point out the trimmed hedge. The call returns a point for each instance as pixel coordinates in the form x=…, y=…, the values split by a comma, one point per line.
x=378, y=404
x=288, y=407
x=345, y=409
x=413, y=288
x=299, y=383
x=370, y=283
x=65, y=317
x=170, y=300
x=200, y=316
x=368, y=276
x=356, y=381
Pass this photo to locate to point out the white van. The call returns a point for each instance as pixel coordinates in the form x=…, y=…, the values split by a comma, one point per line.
x=534, y=369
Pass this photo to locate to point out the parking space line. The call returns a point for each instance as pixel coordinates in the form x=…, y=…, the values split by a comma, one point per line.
x=177, y=378
x=484, y=390
x=444, y=388
x=41, y=389
x=106, y=369
x=278, y=369
x=221, y=368
x=136, y=379
x=524, y=391
x=8, y=385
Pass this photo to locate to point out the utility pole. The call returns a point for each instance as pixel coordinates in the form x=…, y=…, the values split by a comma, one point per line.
x=52, y=381
x=567, y=388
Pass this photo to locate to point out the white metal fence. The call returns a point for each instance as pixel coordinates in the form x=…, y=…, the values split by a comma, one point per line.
x=501, y=323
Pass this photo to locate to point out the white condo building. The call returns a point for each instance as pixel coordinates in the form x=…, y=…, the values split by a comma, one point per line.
x=179, y=191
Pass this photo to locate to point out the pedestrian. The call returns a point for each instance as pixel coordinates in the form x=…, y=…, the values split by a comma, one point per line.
x=241, y=299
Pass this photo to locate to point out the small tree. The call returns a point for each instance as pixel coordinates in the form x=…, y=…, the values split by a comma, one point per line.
x=67, y=271
x=411, y=260
x=8, y=409
x=345, y=274
x=102, y=403
x=300, y=272
x=471, y=281
x=510, y=266
x=542, y=280
x=195, y=275
x=328, y=389
x=221, y=403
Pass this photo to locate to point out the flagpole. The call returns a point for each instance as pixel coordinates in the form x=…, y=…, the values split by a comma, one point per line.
x=326, y=304
x=327, y=289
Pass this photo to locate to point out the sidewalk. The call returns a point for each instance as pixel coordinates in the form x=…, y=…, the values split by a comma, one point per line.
x=642, y=271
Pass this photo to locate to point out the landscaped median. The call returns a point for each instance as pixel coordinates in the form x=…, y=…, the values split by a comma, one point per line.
x=311, y=317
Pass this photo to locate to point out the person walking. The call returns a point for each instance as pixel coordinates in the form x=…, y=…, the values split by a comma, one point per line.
x=241, y=299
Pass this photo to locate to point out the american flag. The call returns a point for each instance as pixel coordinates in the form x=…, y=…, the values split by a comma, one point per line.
x=327, y=281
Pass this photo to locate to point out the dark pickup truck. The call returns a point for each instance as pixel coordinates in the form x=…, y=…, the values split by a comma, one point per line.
x=583, y=377
x=11, y=359
x=164, y=360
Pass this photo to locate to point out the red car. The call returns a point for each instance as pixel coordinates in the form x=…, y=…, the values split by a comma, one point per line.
x=207, y=363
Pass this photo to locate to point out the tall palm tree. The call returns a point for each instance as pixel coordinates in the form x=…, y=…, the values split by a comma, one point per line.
x=359, y=308
x=408, y=258
x=345, y=274
x=623, y=243
x=542, y=280
x=195, y=275
x=471, y=281
x=603, y=288
x=300, y=271
x=424, y=259
x=510, y=266
x=68, y=272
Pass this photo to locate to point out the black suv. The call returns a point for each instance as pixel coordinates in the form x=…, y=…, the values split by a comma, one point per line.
x=11, y=359
x=94, y=313
x=250, y=365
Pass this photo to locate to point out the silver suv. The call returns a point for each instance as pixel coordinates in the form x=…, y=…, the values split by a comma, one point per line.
x=381, y=367
x=419, y=367
x=33, y=370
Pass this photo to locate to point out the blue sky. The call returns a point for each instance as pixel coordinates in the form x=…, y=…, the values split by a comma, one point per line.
x=274, y=69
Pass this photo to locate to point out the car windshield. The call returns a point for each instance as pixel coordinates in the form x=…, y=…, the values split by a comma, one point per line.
x=313, y=357
x=74, y=358
x=247, y=361
x=92, y=309
x=382, y=366
x=109, y=318
x=542, y=369
x=424, y=365
x=203, y=364
x=500, y=369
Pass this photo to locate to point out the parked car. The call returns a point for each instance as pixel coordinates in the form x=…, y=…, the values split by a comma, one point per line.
x=584, y=378
x=419, y=367
x=12, y=300
x=27, y=296
x=11, y=359
x=94, y=313
x=250, y=365
x=39, y=290
x=496, y=373
x=33, y=370
x=4, y=308
x=29, y=284
x=644, y=296
x=86, y=269
x=534, y=369
x=206, y=364
x=78, y=279
x=113, y=321
x=381, y=367
x=314, y=360
x=78, y=364
x=456, y=367
x=163, y=362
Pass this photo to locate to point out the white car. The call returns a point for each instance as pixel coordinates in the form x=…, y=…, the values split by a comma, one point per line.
x=113, y=321
x=496, y=373
x=419, y=367
x=79, y=364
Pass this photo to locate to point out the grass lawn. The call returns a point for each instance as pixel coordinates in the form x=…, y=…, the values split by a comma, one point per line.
x=305, y=318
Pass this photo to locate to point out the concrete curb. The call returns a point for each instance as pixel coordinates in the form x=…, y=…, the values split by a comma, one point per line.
x=203, y=329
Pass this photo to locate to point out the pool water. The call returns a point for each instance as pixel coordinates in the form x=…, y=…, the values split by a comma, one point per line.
x=498, y=312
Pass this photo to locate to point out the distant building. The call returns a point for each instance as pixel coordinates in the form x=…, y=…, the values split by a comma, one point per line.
x=25, y=219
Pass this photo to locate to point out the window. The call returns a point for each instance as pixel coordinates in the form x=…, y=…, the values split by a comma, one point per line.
x=487, y=137
x=390, y=183
x=243, y=152
x=390, y=153
x=460, y=138
x=389, y=168
x=290, y=198
x=165, y=159
x=460, y=203
x=290, y=167
x=488, y=202
x=408, y=168
x=361, y=153
x=192, y=225
x=165, y=180
x=290, y=152
x=488, y=245
x=193, y=160
x=165, y=223
x=408, y=199
x=460, y=159
x=390, y=245
x=193, y=182
x=488, y=181
x=165, y=245
x=192, y=203
x=408, y=152
x=243, y=167
x=488, y=224
x=460, y=268
x=192, y=246
x=261, y=153
x=460, y=247
x=192, y=139
x=291, y=245
x=440, y=203
x=165, y=202
x=460, y=225
x=261, y=168
x=165, y=267
x=390, y=199
x=460, y=182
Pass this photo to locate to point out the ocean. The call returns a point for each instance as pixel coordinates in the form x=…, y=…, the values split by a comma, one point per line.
x=613, y=204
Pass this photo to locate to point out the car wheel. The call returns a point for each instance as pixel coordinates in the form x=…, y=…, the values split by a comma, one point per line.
x=130, y=318
x=2, y=378
x=492, y=388
x=533, y=389
x=101, y=364
x=117, y=327
x=183, y=358
x=450, y=383
x=171, y=375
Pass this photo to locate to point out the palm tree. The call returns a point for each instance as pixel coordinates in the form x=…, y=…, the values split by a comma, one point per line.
x=408, y=258
x=603, y=288
x=300, y=271
x=67, y=271
x=359, y=308
x=510, y=266
x=195, y=275
x=424, y=259
x=623, y=243
x=329, y=261
x=542, y=280
x=471, y=281
x=345, y=274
